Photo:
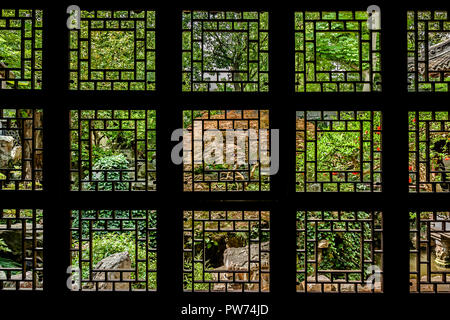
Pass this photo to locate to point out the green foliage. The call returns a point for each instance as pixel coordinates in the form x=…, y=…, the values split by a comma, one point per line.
x=235, y=46
x=131, y=228
x=10, y=41
x=14, y=49
x=4, y=246
x=224, y=51
x=125, y=52
x=114, y=166
x=108, y=145
x=343, y=250
x=199, y=274
x=343, y=253
x=433, y=146
x=125, y=219
x=337, y=47
x=328, y=43
x=339, y=147
x=7, y=263
x=109, y=243
x=338, y=151
x=112, y=50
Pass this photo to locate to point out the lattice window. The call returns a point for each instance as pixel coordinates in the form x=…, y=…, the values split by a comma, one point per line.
x=21, y=248
x=225, y=51
x=114, y=250
x=336, y=52
x=241, y=260
x=339, y=251
x=21, y=149
x=429, y=153
x=226, y=150
x=113, y=150
x=429, y=251
x=113, y=50
x=21, y=49
x=338, y=151
x=428, y=50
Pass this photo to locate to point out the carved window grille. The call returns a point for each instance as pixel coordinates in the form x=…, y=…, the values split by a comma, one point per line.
x=114, y=250
x=339, y=251
x=21, y=244
x=428, y=50
x=21, y=60
x=355, y=135
x=101, y=60
x=322, y=60
x=429, y=153
x=241, y=261
x=429, y=251
x=225, y=51
x=226, y=150
x=21, y=149
x=94, y=169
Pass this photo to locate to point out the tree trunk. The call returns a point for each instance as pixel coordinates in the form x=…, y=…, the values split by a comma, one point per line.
x=236, y=79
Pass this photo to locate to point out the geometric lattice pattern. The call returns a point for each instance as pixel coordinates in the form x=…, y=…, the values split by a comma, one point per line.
x=113, y=250
x=428, y=51
x=225, y=51
x=339, y=251
x=113, y=50
x=338, y=151
x=96, y=133
x=429, y=152
x=226, y=150
x=336, y=52
x=241, y=260
x=21, y=149
x=429, y=251
x=20, y=49
x=21, y=249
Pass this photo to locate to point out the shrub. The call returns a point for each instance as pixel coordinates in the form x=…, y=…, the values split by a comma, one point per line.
x=112, y=167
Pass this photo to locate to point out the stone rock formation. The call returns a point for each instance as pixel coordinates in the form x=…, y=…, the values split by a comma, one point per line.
x=237, y=259
x=322, y=283
x=314, y=284
x=25, y=282
x=117, y=261
x=6, y=148
x=13, y=238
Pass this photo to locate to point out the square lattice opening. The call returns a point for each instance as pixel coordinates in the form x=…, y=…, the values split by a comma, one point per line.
x=338, y=151
x=21, y=49
x=339, y=251
x=226, y=251
x=225, y=51
x=113, y=250
x=113, y=50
